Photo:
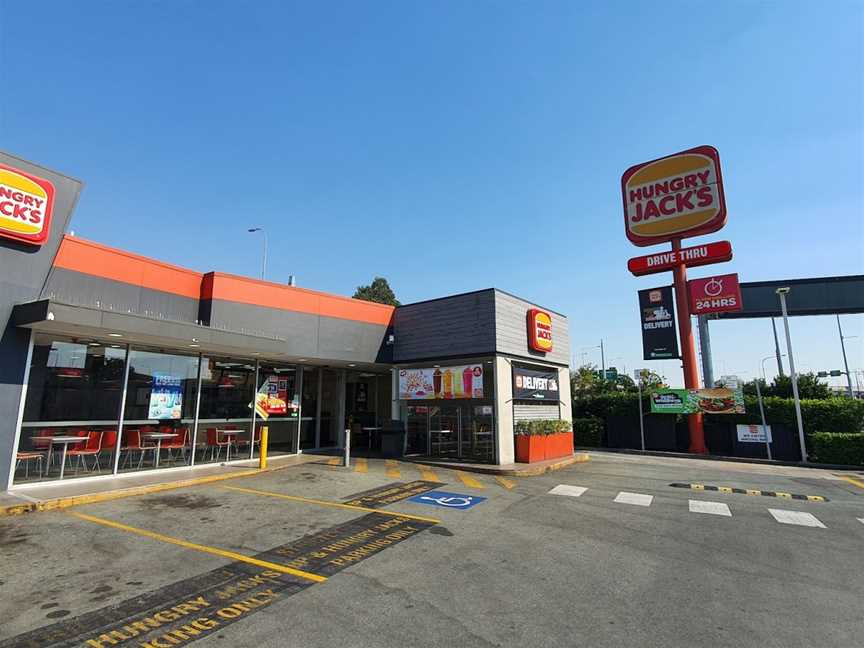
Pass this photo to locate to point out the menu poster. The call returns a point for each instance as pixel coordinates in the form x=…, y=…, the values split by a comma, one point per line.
x=166, y=398
x=464, y=381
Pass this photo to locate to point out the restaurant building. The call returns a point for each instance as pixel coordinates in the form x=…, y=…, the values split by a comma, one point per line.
x=111, y=362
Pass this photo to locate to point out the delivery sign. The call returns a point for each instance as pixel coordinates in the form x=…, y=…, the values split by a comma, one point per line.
x=674, y=197
x=720, y=294
x=26, y=202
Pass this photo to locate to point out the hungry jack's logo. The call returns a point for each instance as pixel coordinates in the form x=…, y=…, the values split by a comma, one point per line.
x=539, y=330
x=26, y=203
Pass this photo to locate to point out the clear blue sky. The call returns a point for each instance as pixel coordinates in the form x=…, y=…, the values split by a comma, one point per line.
x=451, y=146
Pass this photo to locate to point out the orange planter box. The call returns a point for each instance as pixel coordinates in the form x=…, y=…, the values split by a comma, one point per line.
x=538, y=448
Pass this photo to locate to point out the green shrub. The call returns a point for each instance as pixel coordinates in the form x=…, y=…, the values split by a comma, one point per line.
x=588, y=432
x=542, y=427
x=834, y=448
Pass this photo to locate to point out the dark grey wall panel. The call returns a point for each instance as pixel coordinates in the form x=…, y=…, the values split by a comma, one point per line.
x=452, y=326
x=78, y=289
x=511, y=330
x=24, y=270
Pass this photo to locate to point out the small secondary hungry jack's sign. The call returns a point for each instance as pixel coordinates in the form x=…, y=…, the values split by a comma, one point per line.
x=539, y=330
x=26, y=204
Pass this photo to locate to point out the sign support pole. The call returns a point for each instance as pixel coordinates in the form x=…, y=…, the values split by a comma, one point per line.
x=688, y=351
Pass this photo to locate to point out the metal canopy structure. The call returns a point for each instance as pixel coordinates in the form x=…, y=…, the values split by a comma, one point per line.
x=815, y=296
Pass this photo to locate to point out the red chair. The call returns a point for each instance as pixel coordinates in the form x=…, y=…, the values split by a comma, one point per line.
x=91, y=448
x=132, y=444
x=215, y=444
x=177, y=443
x=109, y=442
x=26, y=458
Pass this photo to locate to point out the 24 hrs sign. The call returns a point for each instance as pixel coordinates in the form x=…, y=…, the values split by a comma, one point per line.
x=719, y=294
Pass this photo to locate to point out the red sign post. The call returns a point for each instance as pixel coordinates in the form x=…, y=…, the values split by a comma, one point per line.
x=668, y=199
x=718, y=294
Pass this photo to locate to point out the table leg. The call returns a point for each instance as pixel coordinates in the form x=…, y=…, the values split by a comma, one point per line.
x=63, y=460
x=228, y=453
x=158, y=452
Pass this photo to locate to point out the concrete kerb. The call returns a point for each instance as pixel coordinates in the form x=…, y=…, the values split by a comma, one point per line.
x=134, y=491
x=517, y=470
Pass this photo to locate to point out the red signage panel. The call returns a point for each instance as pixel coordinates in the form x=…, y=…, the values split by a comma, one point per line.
x=26, y=203
x=674, y=197
x=718, y=294
x=698, y=255
x=539, y=330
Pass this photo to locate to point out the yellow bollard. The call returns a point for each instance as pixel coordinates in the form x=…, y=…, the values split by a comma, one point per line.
x=262, y=450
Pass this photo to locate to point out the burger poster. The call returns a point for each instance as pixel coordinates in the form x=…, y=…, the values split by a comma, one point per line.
x=674, y=197
x=717, y=400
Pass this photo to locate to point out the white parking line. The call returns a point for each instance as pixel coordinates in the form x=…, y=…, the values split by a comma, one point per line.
x=636, y=499
x=796, y=517
x=570, y=491
x=713, y=508
x=861, y=520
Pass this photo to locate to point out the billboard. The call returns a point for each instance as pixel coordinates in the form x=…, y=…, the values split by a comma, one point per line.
x=674, y=197
x=166, y=397
x=535, y=384
x=717, y=400
x=717, y=294
x=26, y=203
x=539, y=330
x=463, y=381
x=657, y=313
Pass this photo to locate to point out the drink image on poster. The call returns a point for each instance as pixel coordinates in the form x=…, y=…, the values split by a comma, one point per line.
x=439, y=383
x=166, y=397
x=467, y=382
x=436, y=382
x=448, y=383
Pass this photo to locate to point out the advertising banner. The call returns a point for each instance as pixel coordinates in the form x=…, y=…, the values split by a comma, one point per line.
x=535, y=384
x=718, y=400
x=674, y=197
x=692, y=257
x=718, y=294
x=464, y=381
x=754, y=433
x=272, y=397
x=166, y=397
x=657, y=312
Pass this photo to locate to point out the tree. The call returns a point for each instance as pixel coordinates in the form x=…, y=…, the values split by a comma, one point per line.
x=378, y=291
x=808, y=387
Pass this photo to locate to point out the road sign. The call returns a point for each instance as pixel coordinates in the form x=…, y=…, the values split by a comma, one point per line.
x=674, y=197
x=447, y=500
x=716, y=294
x=698, y=255
x=611, y=374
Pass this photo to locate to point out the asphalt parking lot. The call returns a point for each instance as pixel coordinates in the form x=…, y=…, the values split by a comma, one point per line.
x=626, y=550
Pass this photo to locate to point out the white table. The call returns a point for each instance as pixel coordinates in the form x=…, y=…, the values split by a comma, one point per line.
x=157, y=437
x=65, y=440
x=228, y=433
x=370, y=430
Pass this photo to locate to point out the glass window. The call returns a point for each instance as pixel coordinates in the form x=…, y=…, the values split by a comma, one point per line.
x=278, y=397
x=310, y=407
x=69, y=426
x=160, y=410
x=225, y=416
x=329, y=427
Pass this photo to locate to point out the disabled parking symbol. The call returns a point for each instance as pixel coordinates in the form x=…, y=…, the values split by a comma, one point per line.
x=447, y=500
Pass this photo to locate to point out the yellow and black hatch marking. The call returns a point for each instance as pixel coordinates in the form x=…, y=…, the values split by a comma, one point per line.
x=752, y=491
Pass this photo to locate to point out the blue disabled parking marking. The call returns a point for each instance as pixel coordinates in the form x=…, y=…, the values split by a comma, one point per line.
x=447, y=500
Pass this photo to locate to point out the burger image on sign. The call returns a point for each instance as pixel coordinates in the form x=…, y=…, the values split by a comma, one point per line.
x=539, y=330
x=26, y=203
x=674, y=197
x=718, y=400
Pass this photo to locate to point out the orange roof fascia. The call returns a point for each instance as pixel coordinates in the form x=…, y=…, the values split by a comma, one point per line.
x=87, y=257
x=245, y=290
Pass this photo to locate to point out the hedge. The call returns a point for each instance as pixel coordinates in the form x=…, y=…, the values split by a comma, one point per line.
x=834, y=415
x=588, y=432
x=830, y=448
x=541, y=427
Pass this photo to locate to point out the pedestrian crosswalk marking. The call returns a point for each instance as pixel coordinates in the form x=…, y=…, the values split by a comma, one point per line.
x=392, y=469
x=506, y=483
x=566, y=489
x=636, y=499
x=468, y=480
x=427, y=474
x=800, y=518
x=361, y=465
x=712, y=508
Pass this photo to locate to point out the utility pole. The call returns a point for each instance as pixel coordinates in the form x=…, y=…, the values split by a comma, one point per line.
x=264, y=256
x=845, y=362
x=602, y=361
x=705, y=348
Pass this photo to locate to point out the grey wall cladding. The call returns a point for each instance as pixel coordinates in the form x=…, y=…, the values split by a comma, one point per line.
x=452, y=326
x=511, y=330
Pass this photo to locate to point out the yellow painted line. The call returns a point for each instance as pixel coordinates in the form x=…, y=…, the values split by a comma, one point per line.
x=231, y=555
x=334, y=461
x=427, y=474
x=307, y=500
x=361, y=465
x=506, y=483
x=857, y=482
x=468, y=480
x=392, y=469
x=697, y=487
x=751, y=491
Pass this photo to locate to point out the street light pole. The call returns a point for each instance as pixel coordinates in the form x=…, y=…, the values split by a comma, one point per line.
x=264, y=256
x=782, y=292
x=762, y=408
x=845, y=362
x=763, y=366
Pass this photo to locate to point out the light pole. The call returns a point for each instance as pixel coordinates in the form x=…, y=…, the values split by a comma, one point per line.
x=845, y=362
x=264, y=256
x=761, y=407
x=782, y=292
x=764, y=379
